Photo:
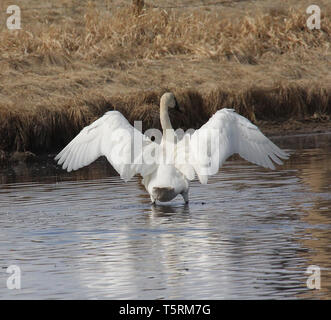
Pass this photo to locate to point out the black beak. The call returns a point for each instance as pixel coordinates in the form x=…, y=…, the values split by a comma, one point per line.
x=177, y=106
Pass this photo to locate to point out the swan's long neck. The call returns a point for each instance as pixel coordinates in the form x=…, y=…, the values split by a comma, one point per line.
x=164, y=118
x=168, y=132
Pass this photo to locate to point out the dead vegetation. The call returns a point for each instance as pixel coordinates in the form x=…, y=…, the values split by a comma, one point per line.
x=51, y=127
x=133, y=33
x=62, y=71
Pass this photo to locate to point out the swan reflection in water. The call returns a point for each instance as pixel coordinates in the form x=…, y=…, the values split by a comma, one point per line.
x=169, y=210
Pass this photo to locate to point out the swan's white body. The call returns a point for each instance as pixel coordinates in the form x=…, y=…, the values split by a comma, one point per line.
x=175, y=162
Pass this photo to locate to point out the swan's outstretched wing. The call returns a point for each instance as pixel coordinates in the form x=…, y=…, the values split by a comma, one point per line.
x=111, y=136
x=225, y=134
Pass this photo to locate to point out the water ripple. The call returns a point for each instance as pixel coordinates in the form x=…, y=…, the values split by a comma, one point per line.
x=249, y=234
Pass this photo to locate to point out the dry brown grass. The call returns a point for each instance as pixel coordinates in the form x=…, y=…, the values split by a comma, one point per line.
x=66, y=67
x=51, y=127
x=122, y=34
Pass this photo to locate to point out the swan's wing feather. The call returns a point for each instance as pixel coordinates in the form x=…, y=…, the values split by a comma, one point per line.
x=225, y=134
x=182, y=157
x=111, y=136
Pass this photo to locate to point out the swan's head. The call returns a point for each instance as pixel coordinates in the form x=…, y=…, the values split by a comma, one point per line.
x=168, y=100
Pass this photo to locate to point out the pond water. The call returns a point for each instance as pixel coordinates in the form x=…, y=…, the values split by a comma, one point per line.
x=251, y=233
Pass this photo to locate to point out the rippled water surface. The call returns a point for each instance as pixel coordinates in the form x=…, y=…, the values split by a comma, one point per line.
x=249, y=233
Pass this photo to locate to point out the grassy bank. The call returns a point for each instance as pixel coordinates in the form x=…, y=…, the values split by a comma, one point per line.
x=74, y=60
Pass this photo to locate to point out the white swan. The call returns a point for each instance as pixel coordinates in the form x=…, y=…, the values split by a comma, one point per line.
x=168, y=166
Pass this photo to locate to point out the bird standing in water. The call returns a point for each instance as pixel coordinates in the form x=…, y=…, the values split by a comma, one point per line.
x=168, y=167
